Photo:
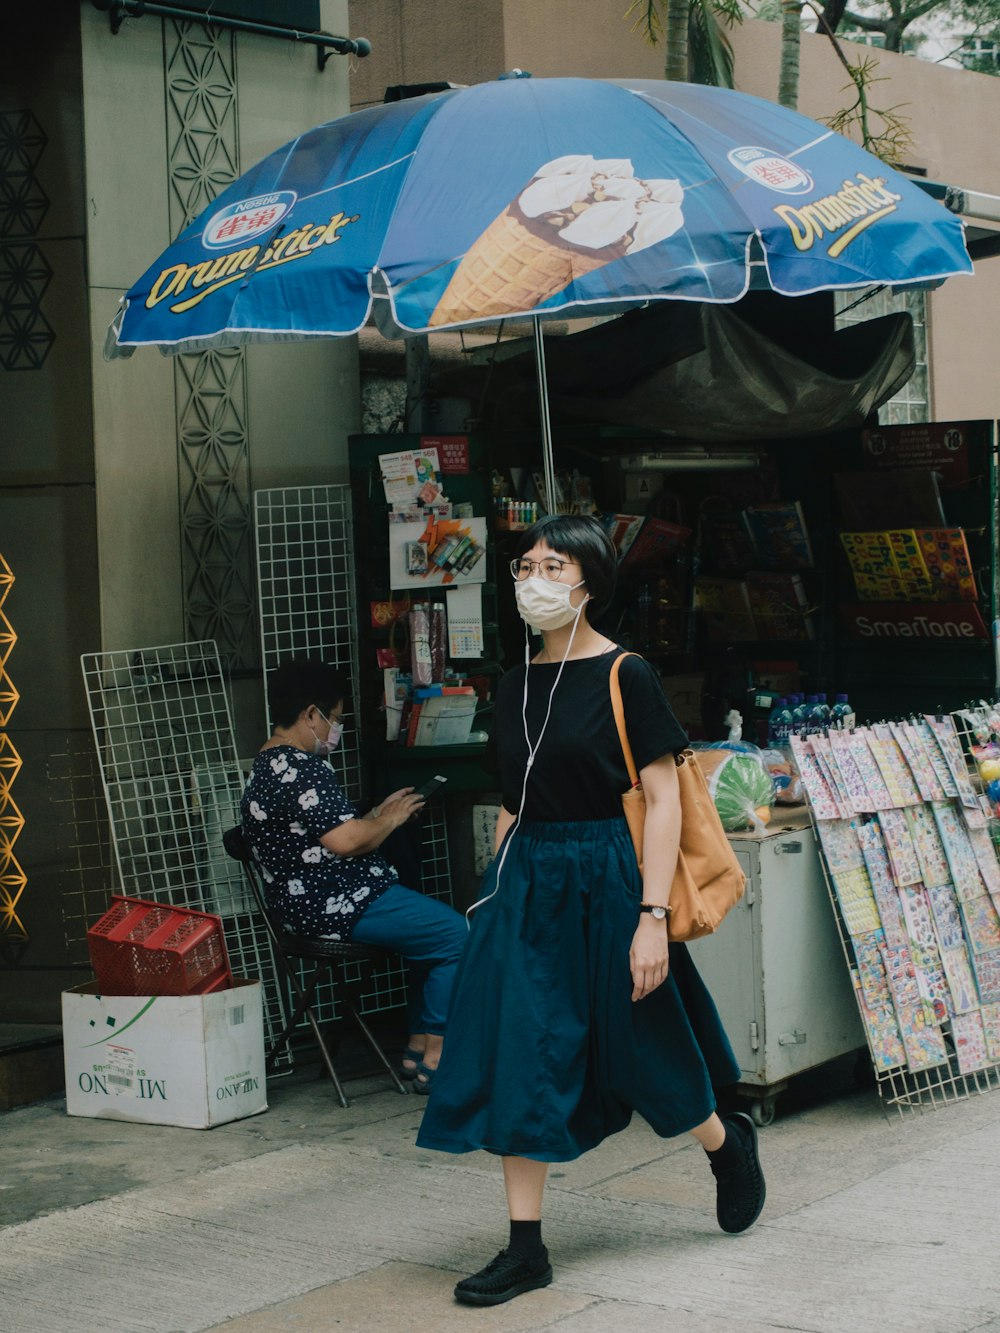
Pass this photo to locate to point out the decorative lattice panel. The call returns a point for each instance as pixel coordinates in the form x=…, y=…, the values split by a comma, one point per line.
x=26, y=336
x=306, y=593
x=172, y=784
x=209, y=387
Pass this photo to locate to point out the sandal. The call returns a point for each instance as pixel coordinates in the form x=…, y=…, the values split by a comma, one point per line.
x=415, y=1058
x=424, y=1078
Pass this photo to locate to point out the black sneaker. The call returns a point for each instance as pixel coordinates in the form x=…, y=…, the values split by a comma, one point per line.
x=503, y=1278
x=740, y=1188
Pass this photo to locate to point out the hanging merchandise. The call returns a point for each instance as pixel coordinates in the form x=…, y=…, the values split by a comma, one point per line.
x=438, y=640
x=915, y=880
x=420, y=644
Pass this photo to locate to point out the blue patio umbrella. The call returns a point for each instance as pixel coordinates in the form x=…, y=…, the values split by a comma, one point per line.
x=535, y=197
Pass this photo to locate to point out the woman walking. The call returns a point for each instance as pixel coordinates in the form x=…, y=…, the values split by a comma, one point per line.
x=570, y=1010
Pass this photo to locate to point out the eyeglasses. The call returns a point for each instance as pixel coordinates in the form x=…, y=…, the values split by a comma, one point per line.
x=550, y=568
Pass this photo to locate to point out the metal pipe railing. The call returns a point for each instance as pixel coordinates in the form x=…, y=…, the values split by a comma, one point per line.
x=326, y=44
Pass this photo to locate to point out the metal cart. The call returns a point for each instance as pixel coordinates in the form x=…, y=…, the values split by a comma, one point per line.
x=776, y=968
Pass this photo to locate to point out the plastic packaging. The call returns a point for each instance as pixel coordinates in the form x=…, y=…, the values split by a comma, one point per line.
x=784, y=775
x=438, y=640
x=734, y=721
x=420, y=644
x=987, y=759
x=739, y=783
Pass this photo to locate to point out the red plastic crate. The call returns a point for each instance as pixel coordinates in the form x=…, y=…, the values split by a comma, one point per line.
x=142, y=948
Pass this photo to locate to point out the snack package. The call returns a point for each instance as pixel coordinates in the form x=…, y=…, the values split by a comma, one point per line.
x=784, y=775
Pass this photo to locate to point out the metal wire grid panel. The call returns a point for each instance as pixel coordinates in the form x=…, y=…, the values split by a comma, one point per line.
x=172, y=784
x=305, y=587
x=907, y=1089
x=88, y=869
x=306, y=561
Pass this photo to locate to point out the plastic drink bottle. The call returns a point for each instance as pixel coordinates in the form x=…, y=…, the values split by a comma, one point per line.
x=819, y=716
x=779, y=724
x=842, y=714
x=800, y=716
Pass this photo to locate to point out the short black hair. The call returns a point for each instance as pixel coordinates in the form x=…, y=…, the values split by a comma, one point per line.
x=584, y=540
x=298, y=682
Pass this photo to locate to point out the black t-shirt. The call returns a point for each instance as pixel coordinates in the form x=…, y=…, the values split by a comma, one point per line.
x=579, y=770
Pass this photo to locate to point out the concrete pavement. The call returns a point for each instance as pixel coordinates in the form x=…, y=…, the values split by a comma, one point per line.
x=313, y=1218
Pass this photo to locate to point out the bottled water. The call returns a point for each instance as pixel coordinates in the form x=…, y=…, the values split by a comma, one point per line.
x=779, y=724
x=819, y=716
x=800, y=715
x=842, y=714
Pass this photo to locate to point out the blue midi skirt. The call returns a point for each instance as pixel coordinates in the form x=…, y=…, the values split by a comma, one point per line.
x=545, y=1052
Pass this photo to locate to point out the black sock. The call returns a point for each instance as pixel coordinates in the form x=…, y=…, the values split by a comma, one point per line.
x=526, y=1240
x=729, y=1153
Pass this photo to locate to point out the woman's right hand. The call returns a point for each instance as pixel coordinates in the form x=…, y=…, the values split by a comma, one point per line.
x=401, y=806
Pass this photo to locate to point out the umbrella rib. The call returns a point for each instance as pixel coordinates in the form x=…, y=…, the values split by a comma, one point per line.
x=794, y=152
x=340, y=185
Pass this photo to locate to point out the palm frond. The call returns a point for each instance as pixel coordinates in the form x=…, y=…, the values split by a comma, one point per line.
x=646, y=16
x=711, y=52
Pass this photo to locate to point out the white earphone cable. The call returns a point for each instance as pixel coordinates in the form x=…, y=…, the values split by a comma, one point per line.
x=532, y=749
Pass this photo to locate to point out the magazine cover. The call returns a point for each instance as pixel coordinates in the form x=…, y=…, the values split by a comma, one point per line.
x=779, y=535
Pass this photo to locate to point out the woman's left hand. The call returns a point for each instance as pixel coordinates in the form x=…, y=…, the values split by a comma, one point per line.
x=648, y=957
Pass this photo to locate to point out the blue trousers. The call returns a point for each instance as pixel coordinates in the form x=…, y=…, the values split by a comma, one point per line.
x=430, y=936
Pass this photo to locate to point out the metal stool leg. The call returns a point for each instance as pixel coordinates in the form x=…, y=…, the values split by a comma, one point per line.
x=304, y=1006
x=368, y=1035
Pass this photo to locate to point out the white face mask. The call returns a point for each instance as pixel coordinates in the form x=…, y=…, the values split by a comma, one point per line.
x=333, y=736
x=545, y=603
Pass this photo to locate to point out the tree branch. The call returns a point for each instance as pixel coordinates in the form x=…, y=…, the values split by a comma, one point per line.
x=864, y=23
x=833, y=13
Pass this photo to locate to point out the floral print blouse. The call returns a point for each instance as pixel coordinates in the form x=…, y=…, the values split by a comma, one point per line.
x=291, y=800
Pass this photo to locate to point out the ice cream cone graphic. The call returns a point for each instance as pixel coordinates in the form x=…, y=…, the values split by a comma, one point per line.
x=577, y=214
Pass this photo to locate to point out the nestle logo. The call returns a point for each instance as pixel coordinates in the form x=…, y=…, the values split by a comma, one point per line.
x=771, y=170
x=246, y=219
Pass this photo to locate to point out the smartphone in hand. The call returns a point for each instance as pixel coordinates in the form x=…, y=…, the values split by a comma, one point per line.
x=431, y=786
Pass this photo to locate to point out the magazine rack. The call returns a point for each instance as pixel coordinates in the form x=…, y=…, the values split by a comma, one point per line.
x=915, y=886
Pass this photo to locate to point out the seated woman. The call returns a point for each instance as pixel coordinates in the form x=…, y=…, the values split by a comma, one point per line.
x=323, y=875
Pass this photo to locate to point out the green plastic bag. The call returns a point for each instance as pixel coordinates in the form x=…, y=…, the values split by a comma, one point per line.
x=742, y=790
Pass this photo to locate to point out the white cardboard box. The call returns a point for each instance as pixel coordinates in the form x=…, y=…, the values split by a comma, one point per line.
x=189, y=1060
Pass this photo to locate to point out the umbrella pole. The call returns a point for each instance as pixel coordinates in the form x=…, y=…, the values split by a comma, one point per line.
x=548, y=467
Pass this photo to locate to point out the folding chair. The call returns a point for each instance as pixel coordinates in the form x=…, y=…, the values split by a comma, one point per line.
x=329, y=956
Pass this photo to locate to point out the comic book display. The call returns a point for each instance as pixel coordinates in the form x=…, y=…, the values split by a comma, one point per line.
x=904, y=814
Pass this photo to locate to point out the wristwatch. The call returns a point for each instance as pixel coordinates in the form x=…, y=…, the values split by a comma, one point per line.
x=657, y=912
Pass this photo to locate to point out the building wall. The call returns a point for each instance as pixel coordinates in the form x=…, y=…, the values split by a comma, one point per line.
x=426, y=41
x=952, y=114
x=47, y=479
x=124, y=493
